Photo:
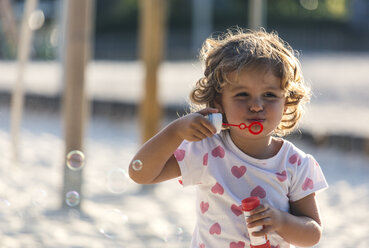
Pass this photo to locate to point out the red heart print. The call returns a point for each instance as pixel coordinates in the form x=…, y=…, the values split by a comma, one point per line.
x=218, y=152
x=215, y=229
x=179, y=154
x=308, y=184
x=217, y=189
x=282, y=176
x=240, y=244
x=258, y=191
x=205, y=159
x=202, y=245
x=204, y=206
x=238, y=171
x=237, y=210
x=295, y=158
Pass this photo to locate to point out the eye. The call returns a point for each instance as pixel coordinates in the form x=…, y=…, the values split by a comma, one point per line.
x=242, y=94
x=270, y=94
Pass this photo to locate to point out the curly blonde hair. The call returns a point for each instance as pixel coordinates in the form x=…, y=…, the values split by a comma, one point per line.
x=239, y=49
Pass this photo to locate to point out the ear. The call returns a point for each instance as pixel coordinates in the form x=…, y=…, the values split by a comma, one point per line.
x=218, y=104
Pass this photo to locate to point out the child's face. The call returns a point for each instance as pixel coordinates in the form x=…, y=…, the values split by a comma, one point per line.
x=253, y=95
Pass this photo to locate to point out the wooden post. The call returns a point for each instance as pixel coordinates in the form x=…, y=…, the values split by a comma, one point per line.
x=17, y=101
x=257, y=15
x=152, y=26
x=9, y=25
x=78, y=19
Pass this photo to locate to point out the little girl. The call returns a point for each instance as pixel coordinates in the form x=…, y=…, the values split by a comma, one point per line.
x=250, y=76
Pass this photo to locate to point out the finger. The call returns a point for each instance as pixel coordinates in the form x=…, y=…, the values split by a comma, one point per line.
x=262, y=232
x=194, y=137
x=205, y=128
x=259, y=209
x=198, y=134
x=261, y=222
x=207, y=111
x=210, y=127
x=258, y=216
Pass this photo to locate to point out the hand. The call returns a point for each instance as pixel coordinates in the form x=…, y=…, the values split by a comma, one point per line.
x=267, y=216
x=194, y=127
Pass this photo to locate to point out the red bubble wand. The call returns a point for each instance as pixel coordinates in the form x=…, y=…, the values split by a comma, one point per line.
x=217, y=120
x=243, y=126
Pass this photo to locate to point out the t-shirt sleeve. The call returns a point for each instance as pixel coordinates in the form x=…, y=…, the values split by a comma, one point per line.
x=192, y=160
x=308, y=179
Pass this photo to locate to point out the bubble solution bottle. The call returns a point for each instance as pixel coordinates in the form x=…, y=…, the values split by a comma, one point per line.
x=249, y=204
x=216, y=119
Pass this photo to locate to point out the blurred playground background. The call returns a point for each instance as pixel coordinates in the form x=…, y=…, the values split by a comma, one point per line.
x=101, y=77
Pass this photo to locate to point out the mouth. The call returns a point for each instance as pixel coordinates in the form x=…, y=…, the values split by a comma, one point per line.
x=255, y=120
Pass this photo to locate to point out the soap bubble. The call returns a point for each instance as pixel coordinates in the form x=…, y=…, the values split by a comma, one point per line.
x=75, y=160
x=36, y=20
x=117, y=180
x=176, y=236
x=173, y=236
x=5, y=209
x=166, y=232
x=309, y=4
x=54, y=37
x=4, y=203
x=112, y=223
x=137, y=165
x=72, y=198
x=39, y=197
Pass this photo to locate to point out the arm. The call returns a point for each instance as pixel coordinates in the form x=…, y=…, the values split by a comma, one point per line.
x=156, y=155
x=301, y=227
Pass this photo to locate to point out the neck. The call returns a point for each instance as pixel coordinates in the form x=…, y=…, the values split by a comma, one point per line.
x=259, y=148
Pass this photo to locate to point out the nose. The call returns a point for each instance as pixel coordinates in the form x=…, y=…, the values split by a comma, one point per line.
x=256, y=105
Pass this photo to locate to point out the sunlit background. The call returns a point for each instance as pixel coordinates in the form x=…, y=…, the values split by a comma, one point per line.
x=84, y=82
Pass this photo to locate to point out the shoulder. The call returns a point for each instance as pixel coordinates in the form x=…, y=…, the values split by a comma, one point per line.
x=293, y=154
x=297, y=160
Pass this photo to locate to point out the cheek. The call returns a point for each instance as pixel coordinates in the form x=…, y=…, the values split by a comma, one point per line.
x=279, y=110
x=276, y=108
x=235, y=107
x=235, y=113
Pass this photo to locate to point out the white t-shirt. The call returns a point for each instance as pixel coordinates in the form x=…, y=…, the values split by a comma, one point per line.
x=224, y=176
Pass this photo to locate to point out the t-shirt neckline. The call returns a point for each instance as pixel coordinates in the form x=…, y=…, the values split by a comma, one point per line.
x=232, y=146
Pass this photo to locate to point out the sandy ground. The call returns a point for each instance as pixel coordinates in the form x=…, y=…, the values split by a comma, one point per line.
x=135, y=217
